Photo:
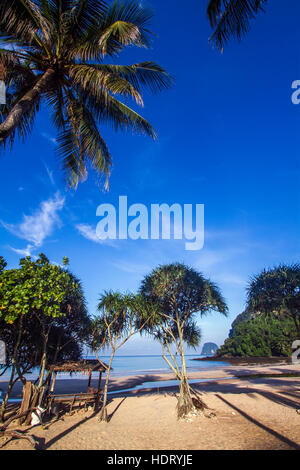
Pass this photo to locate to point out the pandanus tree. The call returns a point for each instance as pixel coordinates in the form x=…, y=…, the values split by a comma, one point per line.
x=57, y=52
x=277, y=292
x=182, y=294
x=121, y=316
x=231, y=18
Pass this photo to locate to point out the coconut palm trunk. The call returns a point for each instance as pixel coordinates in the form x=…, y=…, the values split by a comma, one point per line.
x=24, y=104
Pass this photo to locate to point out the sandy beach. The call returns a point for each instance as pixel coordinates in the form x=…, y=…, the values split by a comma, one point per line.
x=248, y=413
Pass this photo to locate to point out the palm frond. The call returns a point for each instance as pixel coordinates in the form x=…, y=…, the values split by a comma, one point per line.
x=124, y=23
x=148, y=75
x=120, y=116
x=68, y=152
x=231, y=18
x=56, y=101
x=86, y=14
x=100, y=82
x=80, y=144
x=40, y=21
x=55, y=54
x=16, y=20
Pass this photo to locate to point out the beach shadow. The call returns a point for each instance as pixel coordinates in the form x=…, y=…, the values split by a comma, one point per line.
x=70, y=429
x=115, y=410
x=282, y=438
x=239, y=387
x=84, y=420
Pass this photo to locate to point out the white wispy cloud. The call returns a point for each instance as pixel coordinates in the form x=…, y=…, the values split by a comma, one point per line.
x=89, y=232
x=50, y=174
x=129, y=267
x=49, y=137
x=233, y=279
x=209, y=259
x=37, y=227
x=24, y=252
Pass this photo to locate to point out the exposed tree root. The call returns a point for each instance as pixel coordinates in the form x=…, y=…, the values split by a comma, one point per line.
x=16, y=433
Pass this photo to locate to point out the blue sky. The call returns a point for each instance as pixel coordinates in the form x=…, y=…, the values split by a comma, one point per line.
x=228, y=139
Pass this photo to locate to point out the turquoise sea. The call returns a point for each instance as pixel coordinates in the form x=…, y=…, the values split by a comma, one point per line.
x=132, y=365
x=145, y=366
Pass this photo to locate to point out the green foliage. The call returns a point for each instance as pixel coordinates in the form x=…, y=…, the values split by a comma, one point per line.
x=259, y=336
x=276, y=292
x=66, y=44
x=3, y=264
x=37, y=287
x=43, y=318
x=120, y=316
x=39, y=297
x=181, y=292
x=114, y=320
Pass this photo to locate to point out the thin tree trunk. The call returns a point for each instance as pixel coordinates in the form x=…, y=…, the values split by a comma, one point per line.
x=24, y=104
x=12, y=381
x=37, y=389
x=5, y=400
x=103, y=412
x=185, y=402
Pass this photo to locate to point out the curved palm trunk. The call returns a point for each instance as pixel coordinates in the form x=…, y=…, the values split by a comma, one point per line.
x=24, y=104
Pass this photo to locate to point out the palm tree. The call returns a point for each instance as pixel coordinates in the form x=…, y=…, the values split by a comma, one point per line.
x=121, y=316
x=181, y=293
x=277, y=292
x=231, y=18
x=55, y=51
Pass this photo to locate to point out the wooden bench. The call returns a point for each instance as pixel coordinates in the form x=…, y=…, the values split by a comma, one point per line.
x=72, y=400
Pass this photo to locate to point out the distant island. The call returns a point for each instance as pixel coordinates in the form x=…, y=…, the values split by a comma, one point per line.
x=209, y=348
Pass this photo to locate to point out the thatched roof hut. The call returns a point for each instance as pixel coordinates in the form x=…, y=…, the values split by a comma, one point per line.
x=85, y=366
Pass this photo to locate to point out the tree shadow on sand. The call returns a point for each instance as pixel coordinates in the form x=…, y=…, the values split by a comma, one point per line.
x=271, y=431
x=238, y=386
x=83, y=421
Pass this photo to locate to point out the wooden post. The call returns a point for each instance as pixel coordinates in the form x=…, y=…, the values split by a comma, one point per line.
x=25, y=405
x=53, y=382
x=48, y=384
x=99, y=381
x=90, y=378
x=98, y=392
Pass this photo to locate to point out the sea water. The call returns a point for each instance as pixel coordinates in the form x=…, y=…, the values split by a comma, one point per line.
x=133, y=365
x=136, y=365
x=144, y=366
